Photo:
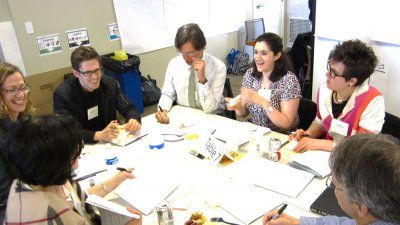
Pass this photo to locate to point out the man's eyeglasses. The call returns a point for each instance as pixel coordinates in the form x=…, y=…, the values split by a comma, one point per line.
x=90, y=73
x=14, y=91
x=189, y=54
x=331, y=71
x=330, y=184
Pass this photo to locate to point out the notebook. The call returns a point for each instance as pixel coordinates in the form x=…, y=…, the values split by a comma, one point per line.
x=313, y=161
x=326, y=204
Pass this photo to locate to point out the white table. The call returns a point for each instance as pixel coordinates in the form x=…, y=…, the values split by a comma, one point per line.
x=198, y=176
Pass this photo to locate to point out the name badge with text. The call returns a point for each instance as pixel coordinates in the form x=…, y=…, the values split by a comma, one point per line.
x=339, y=127
x=93, y=112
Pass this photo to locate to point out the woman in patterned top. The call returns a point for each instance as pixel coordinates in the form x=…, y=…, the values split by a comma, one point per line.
x=43, y=152
x=270, y=93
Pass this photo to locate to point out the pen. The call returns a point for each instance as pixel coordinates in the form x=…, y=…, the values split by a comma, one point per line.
x=198, y=155
x=89, y=175
x=280, y=211
x=124, y=169
x=160, y=109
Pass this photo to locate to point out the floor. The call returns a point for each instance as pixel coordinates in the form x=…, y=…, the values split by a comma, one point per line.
x=236, y=82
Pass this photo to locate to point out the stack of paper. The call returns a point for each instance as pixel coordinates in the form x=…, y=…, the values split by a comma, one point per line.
x=313, y=161
x=110, y=206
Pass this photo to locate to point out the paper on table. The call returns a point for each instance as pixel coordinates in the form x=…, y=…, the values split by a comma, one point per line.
x=129, y=138
x=150, y=186
x=254, y=127
x=313, y=161
x=241, y=135
x=264, y=173
x=110, y=206
x=247, y=202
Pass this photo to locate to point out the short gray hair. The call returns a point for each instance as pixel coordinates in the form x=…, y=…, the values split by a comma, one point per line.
x=190, y=32
x=368, y=167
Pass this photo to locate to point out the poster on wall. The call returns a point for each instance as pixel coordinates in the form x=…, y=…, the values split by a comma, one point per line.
x=77, y=37
x=49, y=44
x=113, y=32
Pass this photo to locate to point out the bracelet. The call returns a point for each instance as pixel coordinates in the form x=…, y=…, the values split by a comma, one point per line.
x=104, y=187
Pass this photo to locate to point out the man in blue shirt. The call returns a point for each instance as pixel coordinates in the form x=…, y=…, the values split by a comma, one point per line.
x=366, y=179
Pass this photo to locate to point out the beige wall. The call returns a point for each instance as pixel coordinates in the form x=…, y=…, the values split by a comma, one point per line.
x=4, y=11
x=45, y=73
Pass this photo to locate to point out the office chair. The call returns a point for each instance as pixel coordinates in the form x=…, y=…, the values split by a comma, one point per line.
x=254, y=28
x=228, y=93
x=391, y=125
x=307, y=112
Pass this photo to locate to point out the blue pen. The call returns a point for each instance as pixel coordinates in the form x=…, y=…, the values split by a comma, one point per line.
x=280, y=211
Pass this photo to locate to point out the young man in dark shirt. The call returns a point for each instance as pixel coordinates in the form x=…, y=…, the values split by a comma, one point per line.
x=93, y=99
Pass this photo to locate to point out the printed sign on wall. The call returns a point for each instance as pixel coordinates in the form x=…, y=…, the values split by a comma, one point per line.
x=77, y=37
x=49, y=44
x=113, y=32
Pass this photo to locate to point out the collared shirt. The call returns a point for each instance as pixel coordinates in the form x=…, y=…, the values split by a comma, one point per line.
x=176, y=84
x=364, y=111
x=334, y=220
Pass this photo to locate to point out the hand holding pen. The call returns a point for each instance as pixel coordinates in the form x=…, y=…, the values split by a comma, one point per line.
x=277, y=217
x=162, y=116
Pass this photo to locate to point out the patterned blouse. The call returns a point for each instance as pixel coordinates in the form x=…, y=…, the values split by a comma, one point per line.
x=286, y=88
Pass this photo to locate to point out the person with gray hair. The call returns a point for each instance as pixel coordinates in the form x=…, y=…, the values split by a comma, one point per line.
x=194, y=78
x=366, y=179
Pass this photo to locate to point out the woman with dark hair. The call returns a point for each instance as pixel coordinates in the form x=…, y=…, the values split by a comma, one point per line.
x=43, y=152
x=15, y=105
x=270, y=92
x=346, y=104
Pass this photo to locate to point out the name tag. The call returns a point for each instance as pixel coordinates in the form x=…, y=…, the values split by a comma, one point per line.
x=265, y=93
x=339, y=127
x=213, y=149
x=93, y=112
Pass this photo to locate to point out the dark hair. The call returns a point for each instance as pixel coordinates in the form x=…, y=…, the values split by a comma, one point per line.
x=368, y=167
x=42, y=150
x=190, y=32
x=359, y=59
x=83, y=53
x=281, y=66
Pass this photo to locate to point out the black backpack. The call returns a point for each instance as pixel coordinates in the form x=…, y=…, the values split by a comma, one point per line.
x=150, y=92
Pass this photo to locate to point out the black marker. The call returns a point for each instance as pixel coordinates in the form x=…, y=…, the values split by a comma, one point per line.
x=280, y=211
x=124, y=169
x=160, y=109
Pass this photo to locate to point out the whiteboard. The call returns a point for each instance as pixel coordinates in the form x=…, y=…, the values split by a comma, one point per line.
x=370, y=21
x=152, y=24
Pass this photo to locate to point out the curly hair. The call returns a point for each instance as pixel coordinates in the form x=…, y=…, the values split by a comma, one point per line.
x=6, y=70
x=282, y=65
x=368, y=167
x=359, y=59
